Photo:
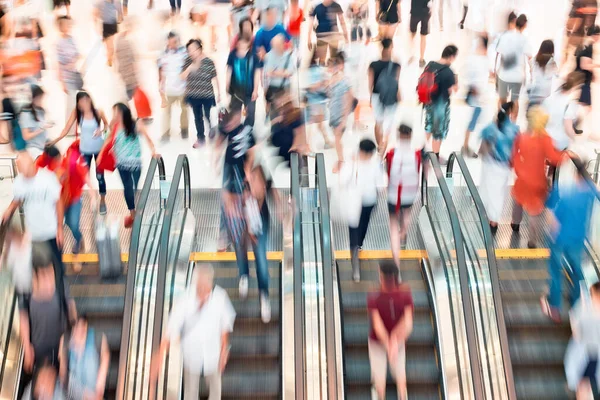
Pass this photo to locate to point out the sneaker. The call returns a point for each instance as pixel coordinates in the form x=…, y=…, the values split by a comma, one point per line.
x=184, y=134
x=265, y=308
x=102, y=208
x=128, y=222
x=243, y=286
x=199, y=143
x=421, y=63
x=467, y=152
x=515, y=227
x=78, y=247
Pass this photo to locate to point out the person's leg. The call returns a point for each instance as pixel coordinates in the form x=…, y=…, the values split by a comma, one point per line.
x=183, y=118
x=555, y=271
x=517, y=215
x=472, y=125
x=207, y=104
x=338, y=132
x=262, y=265
x=101, y=185
x=214, y=386
x=241, y=256
x=378, y=362
x=405, y=215
x=502, y=89
x=128, y=187
x=515, y=92
x=59, y=270
x=535, y=227
x=191, y=382
x=363, y=227
x=167, y=112
x=110, y=49
x=398, y=370
x=394, y=234
x=354, y=235
x=198, y=118
x=573, y=256
x=72, y=218
x=440, y=125
x=250, y=112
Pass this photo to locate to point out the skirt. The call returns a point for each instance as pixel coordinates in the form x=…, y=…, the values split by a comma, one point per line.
x=494, y=186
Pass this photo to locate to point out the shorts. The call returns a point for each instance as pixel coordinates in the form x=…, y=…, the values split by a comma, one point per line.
x=384, y=115
x=504, y=88
x=378, y=360
x=590, y=370
x=60, y=3
x=331, y=43
x=388, y=18
x=403, y=208
x=109, y=30
x=416, y=19
x=437, y=118
x=336, y=120
x=586, y=94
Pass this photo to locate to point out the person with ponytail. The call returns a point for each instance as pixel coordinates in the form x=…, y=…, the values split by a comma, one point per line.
x=532, y=151
x=125, y=138
x=496, y=151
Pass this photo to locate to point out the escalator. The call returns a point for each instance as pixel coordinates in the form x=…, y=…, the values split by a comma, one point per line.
x=532, y=345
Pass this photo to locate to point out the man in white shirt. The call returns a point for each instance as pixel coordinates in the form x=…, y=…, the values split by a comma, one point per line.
x=38, y=192
x=512, y=48
x=171, y=86
x=201, y=321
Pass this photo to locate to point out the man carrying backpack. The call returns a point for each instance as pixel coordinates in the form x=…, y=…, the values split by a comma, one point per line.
x=384, y=76
x=435, y=85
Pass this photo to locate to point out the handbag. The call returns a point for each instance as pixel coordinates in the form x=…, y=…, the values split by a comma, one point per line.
x=108, y=161
x=346, y=201
x=142, y=104
x=382, y=16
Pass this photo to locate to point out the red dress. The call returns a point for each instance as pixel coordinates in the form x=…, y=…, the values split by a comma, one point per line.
x=530, y=155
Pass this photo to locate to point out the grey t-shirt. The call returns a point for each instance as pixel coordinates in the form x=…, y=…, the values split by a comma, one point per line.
x=28, y=121
x=109, y=11
x=280, y=62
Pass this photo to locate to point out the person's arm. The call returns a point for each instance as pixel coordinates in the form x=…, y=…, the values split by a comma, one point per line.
x=379, y=328
x=588, y=64
x=105, y=125
x=228, y=73
x=215, y=81
x=371, y=82
x=144, y=132
x=224, y=354
x=343, y=24
x=187, y=70
x=66, y=130
x=12, y=207
x=404, y=327
x=103, y=370
x=554, y=157
x=309, y=30
x=156, y=363
x=62, y=373
x=257, y=74
x=29, y=353
x=60, y=216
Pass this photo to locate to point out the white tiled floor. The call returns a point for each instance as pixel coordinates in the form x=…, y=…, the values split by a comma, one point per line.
x=546, y=21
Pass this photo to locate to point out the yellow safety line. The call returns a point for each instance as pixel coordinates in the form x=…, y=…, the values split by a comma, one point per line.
x=502, y=254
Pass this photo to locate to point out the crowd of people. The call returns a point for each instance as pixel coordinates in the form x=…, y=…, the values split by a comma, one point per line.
x=266, y=54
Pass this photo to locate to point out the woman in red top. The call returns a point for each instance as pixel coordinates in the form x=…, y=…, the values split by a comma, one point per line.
x=532, y=150
x=296, y=16
x=391, y=315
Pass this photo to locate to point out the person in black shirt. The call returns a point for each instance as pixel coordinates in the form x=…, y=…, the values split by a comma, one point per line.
x=388, y=17
x=243, y=75
x=420, y=13
x=328, y=15
x=585, y=64
x=437, y=113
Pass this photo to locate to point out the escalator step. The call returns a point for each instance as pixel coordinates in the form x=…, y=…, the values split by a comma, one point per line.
x=530, y=314
x=372, y=275
x=540, y=384
x=415, y=392
x=255, y=346
x=536, y=350
x=248, y=384
x=422, y=370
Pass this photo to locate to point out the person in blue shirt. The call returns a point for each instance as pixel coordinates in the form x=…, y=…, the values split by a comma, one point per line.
x=270, y=29
x=571, y=209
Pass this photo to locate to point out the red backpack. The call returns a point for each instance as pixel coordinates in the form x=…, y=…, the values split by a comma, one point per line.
x=427, y=87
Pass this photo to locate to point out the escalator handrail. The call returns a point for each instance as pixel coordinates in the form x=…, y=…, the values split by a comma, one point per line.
x=155, y=163
x=328, y=281
x=468, y=306
x=299, y=348
x=493, y=268
x=181, y=167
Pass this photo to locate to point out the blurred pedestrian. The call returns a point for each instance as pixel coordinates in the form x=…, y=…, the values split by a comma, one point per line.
x=340, y=104
x=358, y=14
x=389, y=15
x=241, y=10
x=246, y=31
x=68, y=57
x=110, y=13
x=296, y=18
x=366, y=174
x=571, y=211
x=34, y=124
x=532, y=150
x=270, y=28
x=391, y=315
x=288, y=130
x=543, y=72
x=202, y=87
x=127, y=61
x=330, y=28
x=201, y=321
x=45, y=385
x=17, y=256
x=477, y=77
x=243, y=79
x=316, y=97
x=265, y=9
x=420, y=14
x=278, y=69
x=404, y=164
x=84, y=360
x=497, y=141
x=584, y=58
x=171, y=86
x=125, y=137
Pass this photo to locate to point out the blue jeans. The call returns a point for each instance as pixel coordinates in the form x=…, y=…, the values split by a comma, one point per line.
x=99, y=175
x=72, y=217
x=130, y=179
x=201, y=109
x=260, y=255
x=474, y=118
x=572, y=253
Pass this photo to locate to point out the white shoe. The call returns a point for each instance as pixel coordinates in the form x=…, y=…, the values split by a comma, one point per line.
x=265, y=308
x=243, y=286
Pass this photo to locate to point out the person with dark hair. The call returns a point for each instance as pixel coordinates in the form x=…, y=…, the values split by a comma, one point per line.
x=329, y=16
x=477, y=77
x=562, y=110
x=68, y=57
x=84, y=360
x=581, y=359
x=391, y=314
x=585, y=64
x=243, y=78
x=46, y=313
x=582, y=18
x=514, y=51
x=33, y=123
x=543, y=72
x=496, y=151
x=171, y=86
x=90, y=125
x=241, y=10
x=384, y=88
x=366, y=174
x=437, y=113
x=245, y=30
x=571, y=211
x=420, y=14
x=128, y=153
x=288, y=131
x=403, y=165
x=202, y=87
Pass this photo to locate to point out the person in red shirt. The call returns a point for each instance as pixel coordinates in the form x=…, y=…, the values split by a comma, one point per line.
x=391, y=314
x=72, y=173
x=296, y=17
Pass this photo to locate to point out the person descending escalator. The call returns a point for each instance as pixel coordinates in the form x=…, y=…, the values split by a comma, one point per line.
x=391, y=314
x=571, y=207
x=45, y=385
x=17, y=256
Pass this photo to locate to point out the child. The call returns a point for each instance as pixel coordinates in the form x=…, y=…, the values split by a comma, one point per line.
x=18, y=256
x=340, y=104
x=366, y=174
x=296, y=17
x=403, y=168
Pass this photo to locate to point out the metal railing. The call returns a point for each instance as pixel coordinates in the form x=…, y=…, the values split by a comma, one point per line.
x=492, y=265
x=468, y=307
x=181, y=168
x=125, y=353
